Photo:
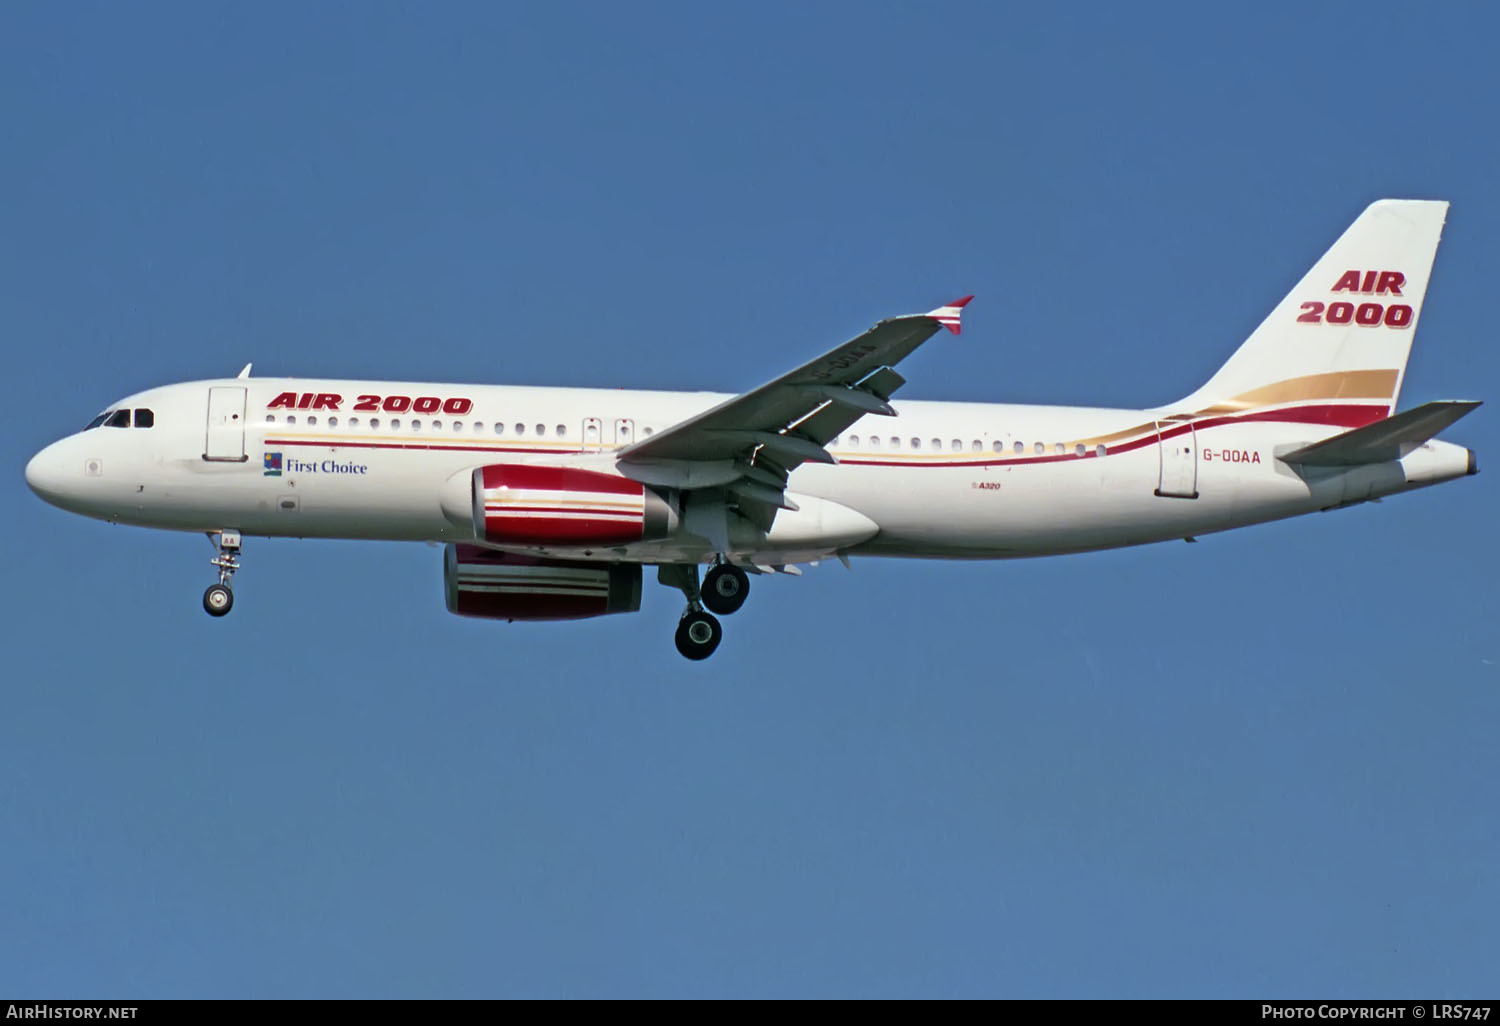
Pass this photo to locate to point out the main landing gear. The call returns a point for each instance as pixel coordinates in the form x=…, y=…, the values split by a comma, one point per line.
x=725, y=588
x=219, y=598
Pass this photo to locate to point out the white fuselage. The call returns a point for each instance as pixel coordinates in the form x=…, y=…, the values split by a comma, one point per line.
x=383, y=460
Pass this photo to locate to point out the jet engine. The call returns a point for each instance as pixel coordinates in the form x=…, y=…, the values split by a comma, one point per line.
x=545, y=506
x=502, y=586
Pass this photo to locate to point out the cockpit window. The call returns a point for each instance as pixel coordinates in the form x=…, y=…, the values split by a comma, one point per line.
x=120, y=418
x=144, y=418
x=97, y=420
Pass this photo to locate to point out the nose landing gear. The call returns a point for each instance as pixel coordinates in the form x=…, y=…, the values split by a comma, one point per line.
x=219, y=598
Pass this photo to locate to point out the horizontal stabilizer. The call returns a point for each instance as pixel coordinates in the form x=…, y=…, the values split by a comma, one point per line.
x=1388, y=439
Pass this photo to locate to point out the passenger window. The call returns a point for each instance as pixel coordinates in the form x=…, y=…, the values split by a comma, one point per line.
x=976, y=446
x=354, y=422
x=1099, y=450
x=562, y=430
x=999, y=446
x=374, y=423
x=395, y=424
x=874, y=441
x=479, y=428
x=120, y=418
x=144, y=418
x=520, y=429
x=1079, y=450
x=1040, y=448
x=437, y=425
x=1019, y=447
x=957, y=445
x=291, y=419
x=916, y=443
x=895, y=442
x=416, y=425
x=98, y=420
x=270, y=418
x=541, y=430
x=458, y=426
x=854, y=441
x=333, y=422
x=648, y=432
x=499, y=429
x=311, y=420
x=1059, y=448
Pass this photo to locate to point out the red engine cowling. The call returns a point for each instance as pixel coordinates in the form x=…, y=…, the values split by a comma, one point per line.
x=521, y=504
x=504, y=586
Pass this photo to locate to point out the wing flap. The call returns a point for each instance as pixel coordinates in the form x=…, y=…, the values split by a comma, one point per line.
x=1384, y=440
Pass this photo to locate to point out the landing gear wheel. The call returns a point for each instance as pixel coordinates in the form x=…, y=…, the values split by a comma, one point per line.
x=725, y=588
x=218, y=599
x=698, y=634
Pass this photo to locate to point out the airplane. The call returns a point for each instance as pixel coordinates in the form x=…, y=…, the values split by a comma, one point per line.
x=549, y=502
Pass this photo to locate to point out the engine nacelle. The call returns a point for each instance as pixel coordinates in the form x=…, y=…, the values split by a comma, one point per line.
x=527, y=504
x=504, y=586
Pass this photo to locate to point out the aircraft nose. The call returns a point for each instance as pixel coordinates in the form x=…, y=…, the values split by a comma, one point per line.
x=46, y=476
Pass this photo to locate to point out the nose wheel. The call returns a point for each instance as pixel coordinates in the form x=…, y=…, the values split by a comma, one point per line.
x=219, y=598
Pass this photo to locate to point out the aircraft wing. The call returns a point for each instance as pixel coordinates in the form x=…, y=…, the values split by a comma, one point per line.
x=772, y=429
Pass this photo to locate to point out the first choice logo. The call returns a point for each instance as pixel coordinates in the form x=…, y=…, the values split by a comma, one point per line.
x=275, y=463
x=1366, y=315
x=296, y=466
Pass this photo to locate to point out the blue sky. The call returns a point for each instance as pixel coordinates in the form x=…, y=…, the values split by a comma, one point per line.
x=1260, y=765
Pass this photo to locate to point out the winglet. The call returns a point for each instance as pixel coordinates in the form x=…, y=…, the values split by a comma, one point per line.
x=950, y=316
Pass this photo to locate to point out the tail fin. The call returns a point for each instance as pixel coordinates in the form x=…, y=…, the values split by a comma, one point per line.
x=1345, y=331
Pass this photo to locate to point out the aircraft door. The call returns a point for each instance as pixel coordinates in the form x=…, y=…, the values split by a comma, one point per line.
x=1179, y=460
x=226, y=425
x=593, y=434
x=624, y=431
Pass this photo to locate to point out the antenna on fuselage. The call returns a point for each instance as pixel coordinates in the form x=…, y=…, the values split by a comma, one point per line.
x=245, y=372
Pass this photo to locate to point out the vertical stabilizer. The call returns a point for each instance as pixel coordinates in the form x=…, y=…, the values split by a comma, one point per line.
x=1346, y=330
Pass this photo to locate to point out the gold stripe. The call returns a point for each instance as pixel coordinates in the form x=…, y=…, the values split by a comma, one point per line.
x=1361, y=384
x=511, y=498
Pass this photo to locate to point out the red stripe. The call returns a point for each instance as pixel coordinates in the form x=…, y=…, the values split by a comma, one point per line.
x=498, y=605
x=558, y=479
x=476, y=555
x=1333, y=415
x=502, y=510
x=539, y=531
x=419, y=446
x=1338, y=416
x=532, y=588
